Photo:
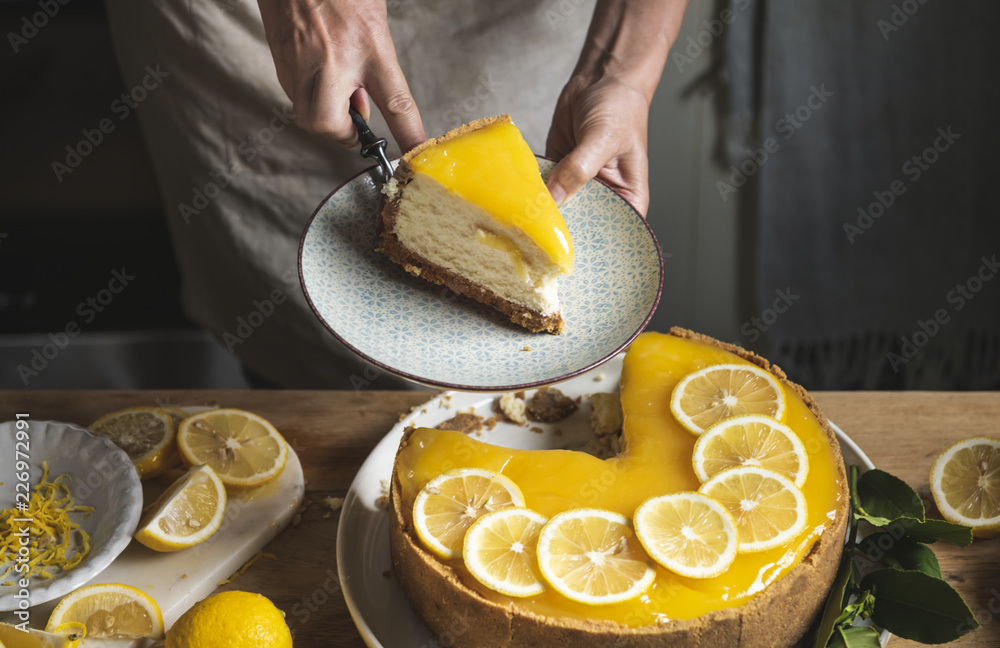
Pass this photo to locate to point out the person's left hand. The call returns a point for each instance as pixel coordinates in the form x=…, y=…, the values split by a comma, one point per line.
x=599, y=130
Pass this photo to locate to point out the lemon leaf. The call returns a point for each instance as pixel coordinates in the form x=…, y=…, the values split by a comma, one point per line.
x=930, y=531
x=918, y=607
x=856, y=637
x=900, y=553
x=881, y=499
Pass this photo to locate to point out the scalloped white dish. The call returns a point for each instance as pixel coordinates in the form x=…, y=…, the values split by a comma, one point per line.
x=407, y=326
x=101, y=476
x=378, y=605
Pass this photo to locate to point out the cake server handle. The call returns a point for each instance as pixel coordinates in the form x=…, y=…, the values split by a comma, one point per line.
x=371, y=146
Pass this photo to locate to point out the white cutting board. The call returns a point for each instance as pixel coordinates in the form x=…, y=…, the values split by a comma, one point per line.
x=179, y=579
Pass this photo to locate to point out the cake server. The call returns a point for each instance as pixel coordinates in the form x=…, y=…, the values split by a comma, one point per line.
x=371, y=146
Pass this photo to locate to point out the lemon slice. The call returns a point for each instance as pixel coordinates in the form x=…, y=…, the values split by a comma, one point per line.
x=146, y=434
x=590, y=556
x=751, y=440
x=965, y=484
x=12, y=637
x=499, y=551
x=768, y=508
x=244, y=449
x=688, y=533
x=705, y=397
x=175, y=413
x=109, y=610
x=188, y=512
x=447, y=506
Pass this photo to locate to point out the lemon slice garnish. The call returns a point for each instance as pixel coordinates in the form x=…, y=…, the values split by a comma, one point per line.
x=146, y=434
x=447, y=506
x=188, y=513
x=109, y=610
x=965, y=484
x=768, y=508
x=244, y=449
x=499, y=550
x=591, y=556
x=688, y=533
x=751, y=440
x=13, y=637
x=707, y=396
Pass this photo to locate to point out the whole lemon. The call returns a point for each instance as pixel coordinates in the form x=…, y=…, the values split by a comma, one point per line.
x=231, y=620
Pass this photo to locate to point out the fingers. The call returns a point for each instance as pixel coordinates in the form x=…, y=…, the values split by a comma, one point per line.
x=326, y=109
x=594, y=149
x=388, y=89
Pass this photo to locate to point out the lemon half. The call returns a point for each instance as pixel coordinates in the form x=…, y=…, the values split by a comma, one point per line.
x=965, y=484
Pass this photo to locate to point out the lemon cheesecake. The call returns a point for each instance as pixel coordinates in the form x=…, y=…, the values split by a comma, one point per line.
x=503, y=567
x=469, y=210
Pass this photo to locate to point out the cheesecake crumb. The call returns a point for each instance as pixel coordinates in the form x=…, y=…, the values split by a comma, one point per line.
x=490, y=423
x=526, y=348
x=536, y=429
x=464, y=422
x=599, y=377
x=606, y=420
x=334, y=503
x=382, y=502
x=512, y=408
x=549, y=405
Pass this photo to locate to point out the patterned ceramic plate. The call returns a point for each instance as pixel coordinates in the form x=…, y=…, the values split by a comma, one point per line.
x=427, y=334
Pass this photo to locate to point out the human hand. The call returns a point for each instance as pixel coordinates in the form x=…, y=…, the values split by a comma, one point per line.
x=330, y=54
x=599, y=130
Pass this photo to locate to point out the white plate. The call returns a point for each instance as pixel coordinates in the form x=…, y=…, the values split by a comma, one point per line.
x=101, y=476
x=379, y=607
x=405, y=325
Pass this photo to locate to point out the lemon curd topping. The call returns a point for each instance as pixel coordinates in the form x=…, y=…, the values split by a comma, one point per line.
x=494, y=168
x=508, y=247
x=656, y=459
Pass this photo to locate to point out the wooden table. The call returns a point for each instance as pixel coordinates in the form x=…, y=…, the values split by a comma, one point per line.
x=333, y=432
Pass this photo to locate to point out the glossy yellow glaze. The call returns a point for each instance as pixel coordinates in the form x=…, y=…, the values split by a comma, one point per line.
x=494, y=168
x=656, y=459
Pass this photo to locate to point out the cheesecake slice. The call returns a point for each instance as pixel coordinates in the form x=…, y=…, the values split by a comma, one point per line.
x=469, y=210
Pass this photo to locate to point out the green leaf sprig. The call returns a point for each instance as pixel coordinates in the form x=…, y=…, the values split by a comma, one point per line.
x=891, y=577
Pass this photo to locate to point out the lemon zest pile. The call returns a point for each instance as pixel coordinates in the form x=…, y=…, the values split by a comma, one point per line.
x=51, y=532
x=242, y=570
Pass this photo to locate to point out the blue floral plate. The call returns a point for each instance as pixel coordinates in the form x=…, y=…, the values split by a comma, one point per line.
x=428, y=334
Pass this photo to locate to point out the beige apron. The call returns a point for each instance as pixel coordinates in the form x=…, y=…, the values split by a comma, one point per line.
x=240, y=180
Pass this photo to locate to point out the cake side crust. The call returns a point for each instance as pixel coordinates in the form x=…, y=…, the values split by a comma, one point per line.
x=778, y=617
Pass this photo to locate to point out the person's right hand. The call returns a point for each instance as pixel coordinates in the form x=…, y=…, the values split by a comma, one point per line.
x=331, y=53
